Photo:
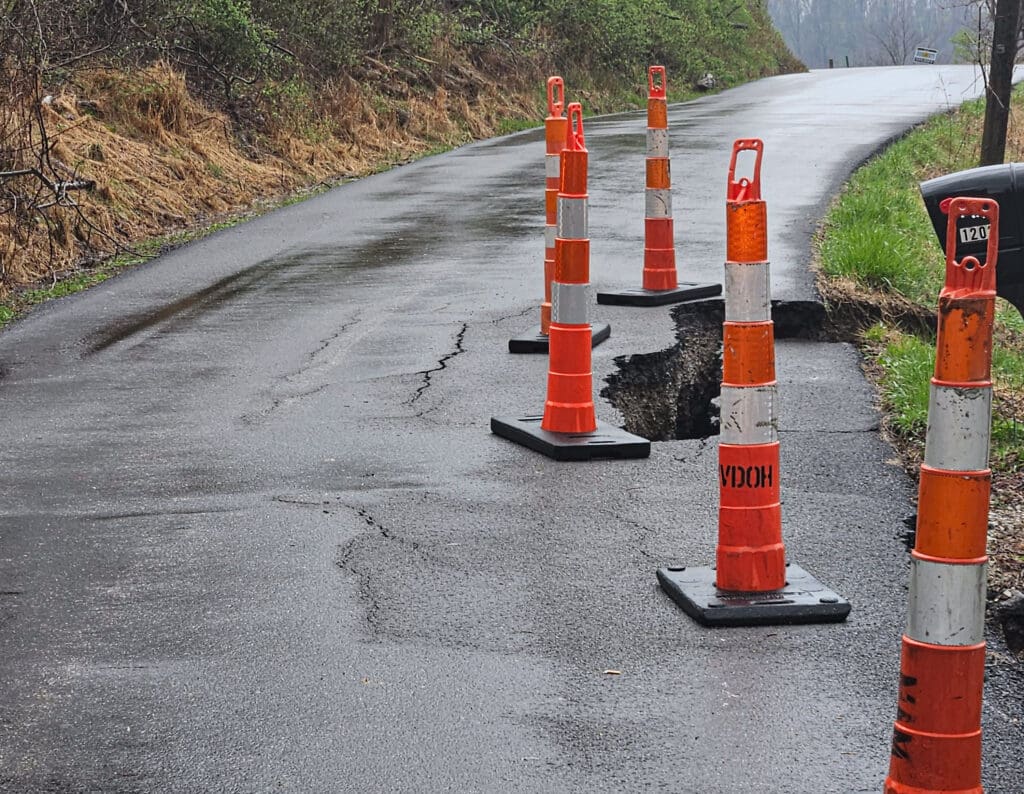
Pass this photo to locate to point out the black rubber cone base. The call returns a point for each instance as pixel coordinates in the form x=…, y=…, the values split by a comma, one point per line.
x=538, y=342
x=605, y=442
x=660, y=297
x=803, y=600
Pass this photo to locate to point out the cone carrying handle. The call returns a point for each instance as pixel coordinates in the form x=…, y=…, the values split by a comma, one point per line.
x=745, y=189
x=656, y=82
x=574, y=140
x=969, y=274
x=556, y=97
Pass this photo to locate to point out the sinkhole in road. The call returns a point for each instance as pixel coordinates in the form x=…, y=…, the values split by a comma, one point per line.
x=673, y=393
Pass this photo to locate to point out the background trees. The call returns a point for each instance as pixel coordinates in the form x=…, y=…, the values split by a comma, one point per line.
x=870, y=32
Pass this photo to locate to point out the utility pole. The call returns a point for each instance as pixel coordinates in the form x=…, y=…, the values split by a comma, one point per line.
x=1000, y=81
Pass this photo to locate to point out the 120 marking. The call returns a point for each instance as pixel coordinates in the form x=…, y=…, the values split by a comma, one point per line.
x=974, y=234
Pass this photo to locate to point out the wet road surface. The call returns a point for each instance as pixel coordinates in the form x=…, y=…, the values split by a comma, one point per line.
x=255, y=534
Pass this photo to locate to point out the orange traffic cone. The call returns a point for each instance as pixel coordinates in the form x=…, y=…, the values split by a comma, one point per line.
x=555, y=136
x=752, y=583
x=569, y=429
x=936, y=745
x=660, y=282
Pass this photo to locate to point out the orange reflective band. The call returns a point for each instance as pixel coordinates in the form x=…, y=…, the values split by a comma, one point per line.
x=750, y=554
x=545, y=307
x=569, y=407
x=657, y=114
x=659, y=259
x=572, y=261
x=554, y=134
x=952, y=513
x=660, y=275
x=749, y=568
x=659, y=233
x=748, y=354
x=551, y=206
x=746, y=231
x=748, y=474
x=572, y=354
x=574, y=173
x=937, y=736
x=659, y=173
x=750, y=527
x=963, y=351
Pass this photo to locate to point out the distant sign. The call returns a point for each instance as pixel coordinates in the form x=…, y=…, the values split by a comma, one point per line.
x=925, y=55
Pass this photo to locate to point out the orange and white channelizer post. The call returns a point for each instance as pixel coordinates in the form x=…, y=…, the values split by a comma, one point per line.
x=751, y=558
x=568, y=429
x=659, y=236
x=936, y=744
x=660, y=281
x=555, y=136
x=570, y=403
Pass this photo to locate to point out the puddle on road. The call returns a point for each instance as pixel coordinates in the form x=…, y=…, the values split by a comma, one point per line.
x=311, y=275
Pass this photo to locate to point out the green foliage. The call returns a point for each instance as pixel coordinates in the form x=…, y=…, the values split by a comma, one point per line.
x=879, y=236
x=225, y=40
x=908, y=363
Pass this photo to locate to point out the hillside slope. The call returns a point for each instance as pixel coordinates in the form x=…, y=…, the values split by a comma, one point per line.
x=125, y=125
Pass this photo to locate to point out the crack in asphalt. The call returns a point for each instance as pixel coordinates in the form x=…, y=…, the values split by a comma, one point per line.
x=346, y=561
x=441, y=364
x=523, y=313
x=641, y=533
x=310, y=366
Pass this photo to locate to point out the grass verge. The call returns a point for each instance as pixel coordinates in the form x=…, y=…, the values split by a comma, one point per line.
x=877, y=244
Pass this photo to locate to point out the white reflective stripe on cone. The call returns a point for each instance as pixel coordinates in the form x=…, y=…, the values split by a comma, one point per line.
x=657, y=142
x=748, y=415
x=552, y=166
x=947, y=603
x=550, y=232
x=959, y=421
x=572, y=218
x=746, y=292
x=658, y=203
x=569, y=303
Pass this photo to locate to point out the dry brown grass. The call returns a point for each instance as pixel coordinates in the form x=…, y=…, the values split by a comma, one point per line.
x=162, y=160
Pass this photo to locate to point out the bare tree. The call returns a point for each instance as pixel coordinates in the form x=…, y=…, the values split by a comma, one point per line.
x=1005, y=39
x=894, y=28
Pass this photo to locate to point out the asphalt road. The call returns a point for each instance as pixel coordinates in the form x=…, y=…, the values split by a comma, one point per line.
x=255, y=534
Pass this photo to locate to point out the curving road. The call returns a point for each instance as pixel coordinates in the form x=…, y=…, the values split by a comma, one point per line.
x=255, y=534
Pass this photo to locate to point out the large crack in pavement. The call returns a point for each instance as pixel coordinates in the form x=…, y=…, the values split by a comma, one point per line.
x=442, y=364
x=673, y=393
x=303, y=381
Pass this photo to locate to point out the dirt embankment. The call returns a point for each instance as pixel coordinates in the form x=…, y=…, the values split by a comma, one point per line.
x=143, y=156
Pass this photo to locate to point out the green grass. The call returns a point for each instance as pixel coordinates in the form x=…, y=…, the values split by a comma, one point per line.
x=908, y=363
x=878, y=236
x=509, y=125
